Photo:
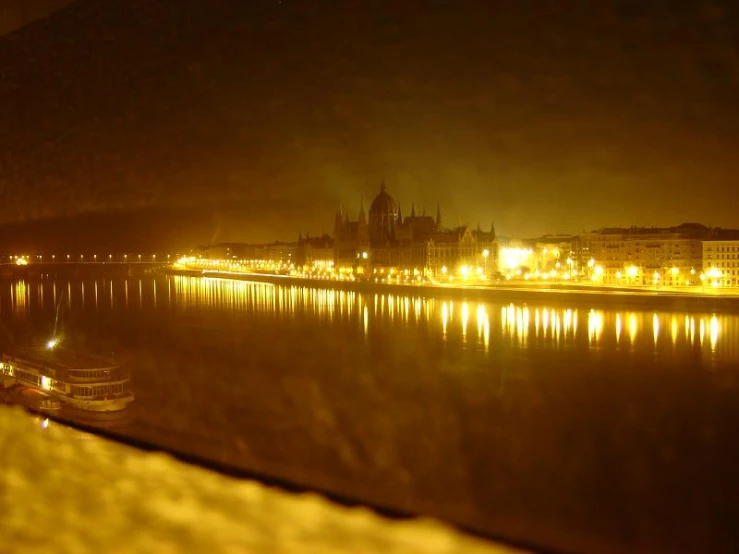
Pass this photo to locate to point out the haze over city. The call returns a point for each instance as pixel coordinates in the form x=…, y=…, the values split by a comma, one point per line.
x=251, y=121
x=466, y=272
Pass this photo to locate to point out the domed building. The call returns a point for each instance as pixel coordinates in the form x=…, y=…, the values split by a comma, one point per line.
x=416, y=243
x=383, y=218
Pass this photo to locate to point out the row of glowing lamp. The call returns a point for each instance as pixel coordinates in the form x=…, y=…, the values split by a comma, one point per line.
x=632, y=272
x=25, y=260
x=319, y=269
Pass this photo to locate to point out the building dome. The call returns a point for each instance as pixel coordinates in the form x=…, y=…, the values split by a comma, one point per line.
x=383, y=204
x=383, y=215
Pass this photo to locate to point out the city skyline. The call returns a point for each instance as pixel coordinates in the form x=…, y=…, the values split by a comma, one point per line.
x=469, y=265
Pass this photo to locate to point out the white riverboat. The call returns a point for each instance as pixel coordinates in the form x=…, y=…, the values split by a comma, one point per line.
x=81, y=381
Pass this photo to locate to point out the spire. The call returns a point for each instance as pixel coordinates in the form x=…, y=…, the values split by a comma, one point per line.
x=300, y=237
x=337, y=222
x=438, y=217
x=478, y=227
x=413, y=209
x=362, y=219
x=492, y=229
x=382, y=185
x=361, y=235
x=400, y=215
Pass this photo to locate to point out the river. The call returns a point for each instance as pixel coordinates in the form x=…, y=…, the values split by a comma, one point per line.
x=584, y=429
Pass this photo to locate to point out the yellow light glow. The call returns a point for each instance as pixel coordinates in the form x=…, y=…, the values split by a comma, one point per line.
x=675, y=271
x=713, y=332
x=21, y=261
x=512, y=258
x=632, y=327
x=632, y=271
x=595, y=326
x=52, y=343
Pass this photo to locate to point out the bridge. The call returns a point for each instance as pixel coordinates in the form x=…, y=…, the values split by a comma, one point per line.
x=119, y=258
x=15, y=266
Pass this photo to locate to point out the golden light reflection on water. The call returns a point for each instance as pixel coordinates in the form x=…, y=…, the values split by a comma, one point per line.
x=632, y=328
x=595, y=326
x=483, y=324
x=465, y=319
x=673, y=330
x=19, y=295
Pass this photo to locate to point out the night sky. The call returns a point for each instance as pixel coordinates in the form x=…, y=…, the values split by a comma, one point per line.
x=256, y=118
x=16, y=13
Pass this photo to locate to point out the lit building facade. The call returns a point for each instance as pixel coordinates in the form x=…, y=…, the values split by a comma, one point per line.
x=314, y=252
x=721, y=260
x=546, y=257
x=385, y=242
x=667, y=256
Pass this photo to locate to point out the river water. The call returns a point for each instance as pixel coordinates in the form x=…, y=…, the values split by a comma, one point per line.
x=584, y=429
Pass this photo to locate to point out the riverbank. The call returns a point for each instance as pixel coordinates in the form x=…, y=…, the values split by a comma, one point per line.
x=589, y=296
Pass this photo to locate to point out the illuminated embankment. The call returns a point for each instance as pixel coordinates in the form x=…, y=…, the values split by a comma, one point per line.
x=586, y=295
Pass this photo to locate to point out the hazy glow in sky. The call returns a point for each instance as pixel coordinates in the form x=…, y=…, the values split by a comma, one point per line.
x=541, y=116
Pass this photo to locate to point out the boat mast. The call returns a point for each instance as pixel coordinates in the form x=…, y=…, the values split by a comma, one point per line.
x=56, y=320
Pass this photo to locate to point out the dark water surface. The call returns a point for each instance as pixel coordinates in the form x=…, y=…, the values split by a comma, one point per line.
x=589, y=430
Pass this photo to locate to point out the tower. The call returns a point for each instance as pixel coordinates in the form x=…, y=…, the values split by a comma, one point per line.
x=338, y=224
x=362, y=234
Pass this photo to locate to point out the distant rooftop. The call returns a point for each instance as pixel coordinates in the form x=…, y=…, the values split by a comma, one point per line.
x=693, y=229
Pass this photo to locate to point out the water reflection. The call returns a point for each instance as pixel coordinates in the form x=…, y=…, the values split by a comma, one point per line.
x=474, y=323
